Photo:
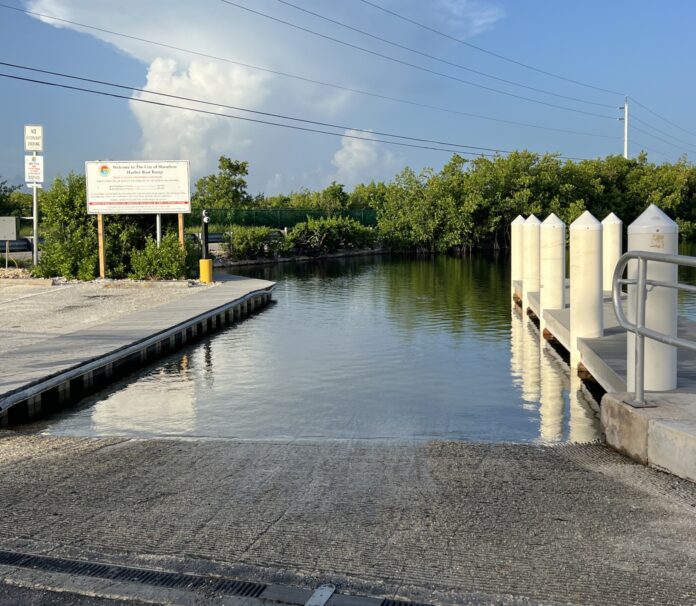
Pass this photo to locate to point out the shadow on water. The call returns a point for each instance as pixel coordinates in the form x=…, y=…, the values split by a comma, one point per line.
x=358, y=348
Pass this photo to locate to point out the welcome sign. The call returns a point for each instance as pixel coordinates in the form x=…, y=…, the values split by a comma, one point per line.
x=120, y=188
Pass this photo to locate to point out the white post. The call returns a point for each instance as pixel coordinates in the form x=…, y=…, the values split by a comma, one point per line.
x=158, y=225
x=516, y=253
x=530, y=264
x=612, y=248
x=586, y=297
x=625, y=121
x=654, y=231
x=35, y=210
x=551, y=266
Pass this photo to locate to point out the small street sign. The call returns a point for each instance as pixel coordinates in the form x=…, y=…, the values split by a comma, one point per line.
x=33, y=138
x=33, y=169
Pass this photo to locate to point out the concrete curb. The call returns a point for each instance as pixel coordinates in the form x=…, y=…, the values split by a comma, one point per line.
x=663, y=436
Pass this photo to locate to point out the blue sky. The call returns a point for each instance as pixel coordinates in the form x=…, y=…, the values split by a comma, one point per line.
x=641, y=48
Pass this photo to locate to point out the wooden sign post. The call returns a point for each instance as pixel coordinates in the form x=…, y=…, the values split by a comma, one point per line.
x=100, y=236
x=181, y=230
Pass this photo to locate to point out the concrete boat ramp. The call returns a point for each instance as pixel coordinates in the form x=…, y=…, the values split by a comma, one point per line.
x=663, y=435
x=39, y=376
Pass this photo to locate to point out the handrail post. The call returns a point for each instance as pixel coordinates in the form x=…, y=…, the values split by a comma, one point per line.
x=641, y=294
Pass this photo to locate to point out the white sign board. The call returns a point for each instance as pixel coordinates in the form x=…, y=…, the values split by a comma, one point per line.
x=33, y=138
x=132, y=188
x=33, y=169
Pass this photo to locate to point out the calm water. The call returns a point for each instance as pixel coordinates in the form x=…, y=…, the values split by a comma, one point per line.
x=357, y=348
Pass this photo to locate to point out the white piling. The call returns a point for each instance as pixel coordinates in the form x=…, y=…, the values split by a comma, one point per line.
x=551, y=266
x=516, y=252
x=654, y=231
x=586, y=300
x=530, y=264
x=612, y=248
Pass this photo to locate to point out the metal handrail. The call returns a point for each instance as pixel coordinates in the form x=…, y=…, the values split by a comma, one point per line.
x=639, y=328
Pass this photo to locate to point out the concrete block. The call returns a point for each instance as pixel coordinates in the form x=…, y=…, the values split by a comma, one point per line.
x=625, y=430
x=672, y=447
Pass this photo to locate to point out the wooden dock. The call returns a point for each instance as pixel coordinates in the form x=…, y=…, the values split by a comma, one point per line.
x=51, y=372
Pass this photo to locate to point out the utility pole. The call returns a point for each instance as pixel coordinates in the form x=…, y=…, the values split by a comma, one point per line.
x=625, y=108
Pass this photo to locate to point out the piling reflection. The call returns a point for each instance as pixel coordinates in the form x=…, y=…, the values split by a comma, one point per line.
x=516, y=348
x=531, y=380
x=584, y=424
x=564, y=412
x=554, y=383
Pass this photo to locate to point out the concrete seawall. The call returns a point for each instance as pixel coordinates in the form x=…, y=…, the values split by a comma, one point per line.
x=48, y=374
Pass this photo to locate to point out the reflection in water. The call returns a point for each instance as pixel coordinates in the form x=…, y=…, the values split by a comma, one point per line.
x=530, y=365
x=375, y=347
x=554, y=382
x=516, y=348
x=141, y=406
x=584, y=425
x=545, y=385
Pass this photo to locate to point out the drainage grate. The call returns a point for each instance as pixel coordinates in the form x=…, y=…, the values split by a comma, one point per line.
x=156, y=578
x=386, y=602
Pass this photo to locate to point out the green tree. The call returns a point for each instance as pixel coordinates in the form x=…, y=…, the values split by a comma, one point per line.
x=226, y=189
x=8, y=206
x=70, y=234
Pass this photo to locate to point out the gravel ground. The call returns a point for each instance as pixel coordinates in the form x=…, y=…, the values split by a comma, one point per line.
x=33, y=313
x=442, y=522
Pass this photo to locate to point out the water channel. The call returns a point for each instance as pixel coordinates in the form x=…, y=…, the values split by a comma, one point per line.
x=368, y=347
x=363, y=347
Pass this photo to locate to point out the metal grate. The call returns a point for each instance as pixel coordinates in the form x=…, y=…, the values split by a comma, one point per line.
x=386, y=602
x=156, y=578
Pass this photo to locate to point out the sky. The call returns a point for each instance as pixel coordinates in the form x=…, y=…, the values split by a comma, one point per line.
x=639, y=48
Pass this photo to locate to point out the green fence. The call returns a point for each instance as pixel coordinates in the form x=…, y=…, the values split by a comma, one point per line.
x=276, y=217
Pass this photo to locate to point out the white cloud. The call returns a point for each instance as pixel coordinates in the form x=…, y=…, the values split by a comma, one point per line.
x=360, y=160
x=471, y=17
x=170, y=133
x=276, y=155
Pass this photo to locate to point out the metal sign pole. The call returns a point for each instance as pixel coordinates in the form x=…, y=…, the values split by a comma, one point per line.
x=34, y=176
x=35, y=248
x=158, y=226
x=102, y=253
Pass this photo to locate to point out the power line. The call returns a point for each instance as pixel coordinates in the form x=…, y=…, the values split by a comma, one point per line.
x=439, y=59
x=488, y=52
x=223, y=115
x=244, y=109
x=649, y=134
x=258, y=121
x=650, y=149
x=305, y=79
x=413, y=65
x=662, y=132
x=654, y=113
